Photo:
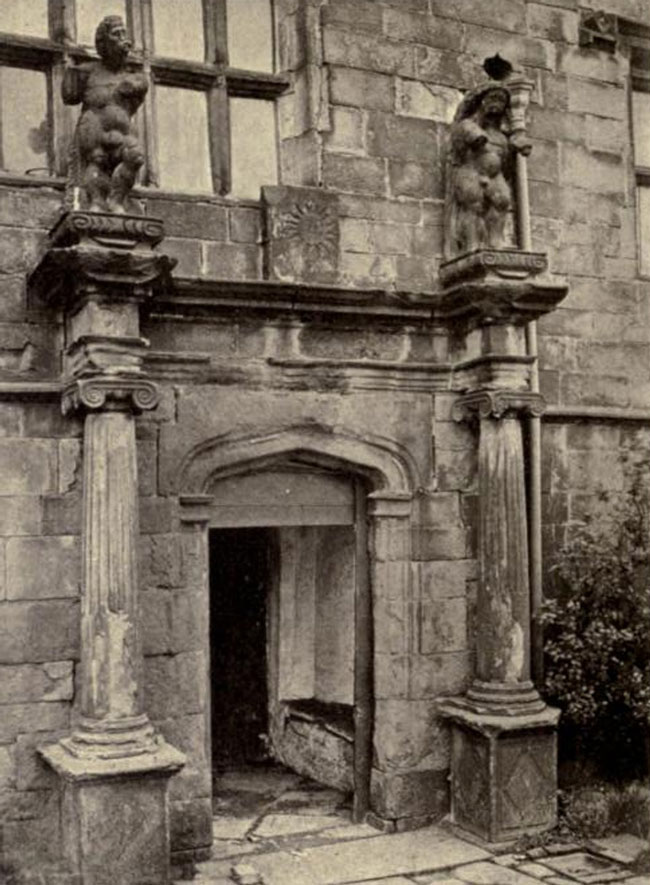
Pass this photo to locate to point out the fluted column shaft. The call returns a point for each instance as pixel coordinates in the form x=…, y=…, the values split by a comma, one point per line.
x=111, y=645
x=113, y=721
x=503, y=610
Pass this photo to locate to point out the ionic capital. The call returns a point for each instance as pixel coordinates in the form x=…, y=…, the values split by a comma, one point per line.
x=110, y=393
x=497, y=404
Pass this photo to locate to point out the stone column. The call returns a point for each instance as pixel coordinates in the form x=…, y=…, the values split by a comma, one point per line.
x=113, y=722
x=114, y=768
x=503, y=734
x=503, y=604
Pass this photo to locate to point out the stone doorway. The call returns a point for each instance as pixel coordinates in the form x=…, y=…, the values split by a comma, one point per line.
x=288, y=567
x=240, y=581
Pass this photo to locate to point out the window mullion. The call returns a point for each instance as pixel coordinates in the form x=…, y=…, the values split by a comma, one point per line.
x=216, y=44
x=219, y=134
x=145, y=16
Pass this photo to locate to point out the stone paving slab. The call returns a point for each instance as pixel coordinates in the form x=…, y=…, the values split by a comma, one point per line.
x=225, y=848
x=290, y=824
x=228, y=827
x=353, y=861
x=491, y=874
x=586, y=868
x=535, y=869
x=623, y=847
x=352, y=831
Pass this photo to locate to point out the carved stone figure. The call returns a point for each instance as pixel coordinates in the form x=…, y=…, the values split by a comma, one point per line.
x=106, y=156
x=479, y=172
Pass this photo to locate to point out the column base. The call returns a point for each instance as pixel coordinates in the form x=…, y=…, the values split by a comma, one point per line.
x=503, y=769
x=115, y=817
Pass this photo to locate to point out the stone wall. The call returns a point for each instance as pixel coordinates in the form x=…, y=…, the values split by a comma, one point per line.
x=376, y=84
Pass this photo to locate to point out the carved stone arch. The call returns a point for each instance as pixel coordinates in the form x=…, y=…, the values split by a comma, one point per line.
x=386, y=465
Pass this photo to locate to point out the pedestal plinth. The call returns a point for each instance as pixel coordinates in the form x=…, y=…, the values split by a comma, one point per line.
x=504, y=770
x=114, y=768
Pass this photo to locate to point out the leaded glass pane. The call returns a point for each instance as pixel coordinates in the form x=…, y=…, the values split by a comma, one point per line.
x=250, y=34
x=253, y=150
x=25, y=124
x=641, y=127
x=178, y=29
x=26, y=17
x=183, y=145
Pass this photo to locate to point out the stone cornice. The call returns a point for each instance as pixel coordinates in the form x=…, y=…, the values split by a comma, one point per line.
x=110, y=392
x=497, y=404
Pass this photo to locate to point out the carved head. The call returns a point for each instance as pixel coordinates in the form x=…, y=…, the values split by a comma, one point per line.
x=112, y=41
x=490, y=100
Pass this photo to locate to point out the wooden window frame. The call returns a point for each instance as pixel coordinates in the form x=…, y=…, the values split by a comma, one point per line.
x=636, y=37
x=213, y=76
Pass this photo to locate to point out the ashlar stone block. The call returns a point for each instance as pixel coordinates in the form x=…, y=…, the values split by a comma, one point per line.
x=43, y=568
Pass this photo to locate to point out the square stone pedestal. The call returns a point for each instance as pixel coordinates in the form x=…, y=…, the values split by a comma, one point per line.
x=115, y=817
x=503, y=772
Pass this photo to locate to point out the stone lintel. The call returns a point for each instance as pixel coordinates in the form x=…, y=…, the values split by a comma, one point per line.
x=110, y=392
x=497, y=286
x=164, y=760
x=96, y=252
x=390, y=504
x=497, y=404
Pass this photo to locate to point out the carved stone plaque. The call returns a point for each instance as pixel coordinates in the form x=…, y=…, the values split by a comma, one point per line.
x=302, y=234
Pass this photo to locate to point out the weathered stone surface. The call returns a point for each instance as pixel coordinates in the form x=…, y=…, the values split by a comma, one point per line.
x=39, y=631
x=118, y=829
x=27, y=683
x=191, y=824
x=490, y=874
x=381, y=858
x=443, y=626
x=25, y=718
x=43, y=568
x=410, y=735
x=364, y=89
x=29, y=466
x=302, y=234
x=367, y=52
x=289, y=824
x=20, y=515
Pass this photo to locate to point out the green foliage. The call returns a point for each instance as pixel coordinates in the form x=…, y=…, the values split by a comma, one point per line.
x=597, y=634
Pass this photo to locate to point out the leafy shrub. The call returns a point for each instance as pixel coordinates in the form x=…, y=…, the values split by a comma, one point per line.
x=597, y=636
x=603, y=810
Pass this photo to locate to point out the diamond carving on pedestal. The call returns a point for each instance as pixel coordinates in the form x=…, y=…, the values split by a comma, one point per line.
x=527, y=796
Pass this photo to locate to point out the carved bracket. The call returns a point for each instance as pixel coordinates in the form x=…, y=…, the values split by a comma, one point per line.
x=107, y=392
x=497, y=404
x=95, y=251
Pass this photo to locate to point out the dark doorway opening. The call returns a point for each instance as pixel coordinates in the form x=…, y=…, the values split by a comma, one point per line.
x=240, y=579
